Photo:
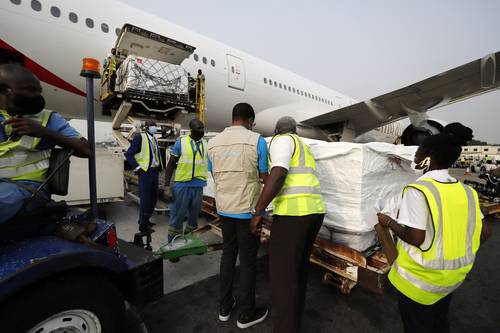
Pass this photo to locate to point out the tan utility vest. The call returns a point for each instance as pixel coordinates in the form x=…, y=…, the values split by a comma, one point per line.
x=234, y=158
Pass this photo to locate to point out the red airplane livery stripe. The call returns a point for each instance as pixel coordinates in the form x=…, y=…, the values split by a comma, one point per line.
x=43, y=74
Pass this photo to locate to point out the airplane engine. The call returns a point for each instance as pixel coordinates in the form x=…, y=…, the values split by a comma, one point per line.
x=414, y=135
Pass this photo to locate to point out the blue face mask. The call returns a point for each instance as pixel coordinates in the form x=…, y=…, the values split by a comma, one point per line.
x=152, y=129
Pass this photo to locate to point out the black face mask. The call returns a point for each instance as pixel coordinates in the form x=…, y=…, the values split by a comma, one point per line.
x=23, y=105
x=197, y=135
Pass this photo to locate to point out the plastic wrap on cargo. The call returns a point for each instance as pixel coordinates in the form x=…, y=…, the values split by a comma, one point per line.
x=356, y=178
x=143, y=74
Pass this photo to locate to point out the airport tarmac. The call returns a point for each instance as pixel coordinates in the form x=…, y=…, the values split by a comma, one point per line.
x=191, y=289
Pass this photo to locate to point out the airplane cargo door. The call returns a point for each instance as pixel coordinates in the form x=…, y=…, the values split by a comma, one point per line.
x=236, y=72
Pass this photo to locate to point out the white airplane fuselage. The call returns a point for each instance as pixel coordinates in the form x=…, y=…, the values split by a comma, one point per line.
x=58, y=45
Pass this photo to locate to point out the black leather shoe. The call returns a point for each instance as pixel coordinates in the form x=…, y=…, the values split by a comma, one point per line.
x=145, y=228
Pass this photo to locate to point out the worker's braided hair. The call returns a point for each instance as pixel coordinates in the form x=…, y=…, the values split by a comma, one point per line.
x=445, y=148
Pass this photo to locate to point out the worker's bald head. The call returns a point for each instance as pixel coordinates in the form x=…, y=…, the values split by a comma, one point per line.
x=20, y=90
x=286, y=125
x=14, y=76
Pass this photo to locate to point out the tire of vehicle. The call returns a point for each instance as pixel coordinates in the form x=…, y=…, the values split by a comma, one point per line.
x=92, y=293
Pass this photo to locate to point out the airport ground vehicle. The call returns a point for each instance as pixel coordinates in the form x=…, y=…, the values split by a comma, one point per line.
x=63, y=271
x=483, y=166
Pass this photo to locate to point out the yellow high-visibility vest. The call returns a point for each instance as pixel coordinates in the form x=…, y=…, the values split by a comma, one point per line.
x=143, y=157
x=20, y=159
x=428, y=276
x=301, y=191
x=190, y=165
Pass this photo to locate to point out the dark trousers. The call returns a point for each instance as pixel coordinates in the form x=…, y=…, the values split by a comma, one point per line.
x=290, y=245
x=424, y=318
x=238, y=238
x=148, y=192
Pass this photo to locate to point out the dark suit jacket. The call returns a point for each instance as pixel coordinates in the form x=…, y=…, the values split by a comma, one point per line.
x=135, y=147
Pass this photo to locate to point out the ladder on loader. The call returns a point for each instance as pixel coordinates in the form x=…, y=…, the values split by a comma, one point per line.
x=200, y=97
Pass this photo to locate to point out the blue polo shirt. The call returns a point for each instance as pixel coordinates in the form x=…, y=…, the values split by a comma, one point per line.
x=176, y=151
x=263, y=168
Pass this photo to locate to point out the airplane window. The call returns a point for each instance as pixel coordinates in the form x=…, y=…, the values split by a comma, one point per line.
x=16, y=2
x=55, y=11
x=195, y=57
x=284, y=86
x=301, y=93
x=265, y=80
x=204, y=59
x=36, y=5
x=212, y=62
x=104, y=27
x=293, y=89
x=289, y=89
x=270, y=82
x=275, y=84
x=118, y=31
x=280, y=85
x=232, y=69
x=73, y=17
x=89, y=22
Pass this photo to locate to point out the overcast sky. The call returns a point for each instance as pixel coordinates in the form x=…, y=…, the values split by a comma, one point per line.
x=360, y=48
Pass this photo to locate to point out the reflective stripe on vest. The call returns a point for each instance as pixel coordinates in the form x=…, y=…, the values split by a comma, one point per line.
x=19, y=159
x=301, y=191
x=189, y=165
x=143, y=157
x=427, y=276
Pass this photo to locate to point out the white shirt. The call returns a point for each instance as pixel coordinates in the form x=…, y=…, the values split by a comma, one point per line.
x=414, y=212
x=281, y=150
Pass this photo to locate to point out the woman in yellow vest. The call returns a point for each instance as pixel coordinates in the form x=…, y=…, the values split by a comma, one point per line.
x=439, y=229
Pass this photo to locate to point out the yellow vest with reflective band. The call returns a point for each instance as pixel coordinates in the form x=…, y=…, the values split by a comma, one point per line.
x=111, y=65
x=19, y=159
x=190, y=166
x=301, y=191
x=428, y=276
x=143, y=157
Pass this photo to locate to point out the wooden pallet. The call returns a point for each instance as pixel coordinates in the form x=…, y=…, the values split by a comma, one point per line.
x=344, y=267
x=489, y=208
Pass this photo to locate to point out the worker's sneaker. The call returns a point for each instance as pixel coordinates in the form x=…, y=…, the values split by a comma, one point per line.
x=258, y=316
x=225, y=311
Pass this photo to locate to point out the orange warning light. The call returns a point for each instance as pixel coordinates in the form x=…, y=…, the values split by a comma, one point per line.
x=90, y=67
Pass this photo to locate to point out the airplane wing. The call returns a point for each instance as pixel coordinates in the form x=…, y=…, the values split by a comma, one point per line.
x=474, y=78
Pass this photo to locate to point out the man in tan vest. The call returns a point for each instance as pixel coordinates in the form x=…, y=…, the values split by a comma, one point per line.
x=238, y=162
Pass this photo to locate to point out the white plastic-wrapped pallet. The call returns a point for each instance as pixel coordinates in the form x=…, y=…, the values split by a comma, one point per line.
x=150, y=75
x=355, y=179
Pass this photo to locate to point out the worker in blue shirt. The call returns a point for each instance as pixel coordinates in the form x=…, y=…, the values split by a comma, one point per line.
x=188, y=159
x=28, y=132
x=144, y=157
